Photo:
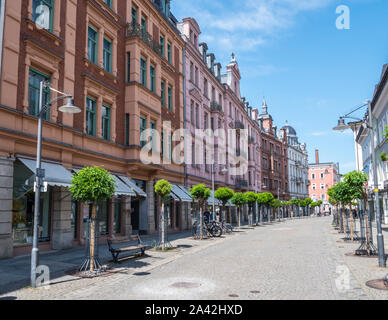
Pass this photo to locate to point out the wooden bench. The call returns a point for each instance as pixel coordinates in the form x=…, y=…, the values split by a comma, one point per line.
x=135, y=246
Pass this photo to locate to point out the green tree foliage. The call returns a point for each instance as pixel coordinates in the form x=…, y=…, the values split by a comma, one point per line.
x=224, y=195
x=163, y=188
x=356, y=181
x=92, y=184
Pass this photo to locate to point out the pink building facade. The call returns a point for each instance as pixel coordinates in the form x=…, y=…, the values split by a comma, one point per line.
x=322, y=176
x=213, y=101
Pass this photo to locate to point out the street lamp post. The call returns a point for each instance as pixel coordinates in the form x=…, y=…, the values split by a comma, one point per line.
x=213, y=174
x=342, y=126
x=279, y=200
x=40, y=174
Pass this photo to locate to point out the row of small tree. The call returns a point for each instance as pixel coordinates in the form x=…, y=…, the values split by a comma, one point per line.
x=93, y=184
x=346, y=193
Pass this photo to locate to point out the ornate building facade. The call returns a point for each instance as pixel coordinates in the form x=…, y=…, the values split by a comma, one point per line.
x=298, y=165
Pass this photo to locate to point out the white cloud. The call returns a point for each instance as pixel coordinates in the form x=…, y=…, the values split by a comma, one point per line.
x=244, y=25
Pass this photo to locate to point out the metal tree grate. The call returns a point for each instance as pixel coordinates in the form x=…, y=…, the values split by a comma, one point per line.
x=366, y=247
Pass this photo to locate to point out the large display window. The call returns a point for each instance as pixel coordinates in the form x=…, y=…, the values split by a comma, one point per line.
x=23, y=209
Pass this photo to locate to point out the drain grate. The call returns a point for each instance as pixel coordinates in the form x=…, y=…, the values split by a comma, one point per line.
x=185, y=285
x=255, y=292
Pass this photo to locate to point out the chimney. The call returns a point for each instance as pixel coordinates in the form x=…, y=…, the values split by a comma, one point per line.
x=203, y=48
x=210, y=61
x=317, y=156
x=217, y=70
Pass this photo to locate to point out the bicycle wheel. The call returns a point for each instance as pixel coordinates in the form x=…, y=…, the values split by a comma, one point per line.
x=216, y=231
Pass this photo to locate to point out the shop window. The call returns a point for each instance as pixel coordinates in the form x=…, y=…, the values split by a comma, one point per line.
x=35, y=78
x=91, y=117
x=103, y=217
x=106, y=115
x=42, y=13
x=23, y=209
x=92, y=44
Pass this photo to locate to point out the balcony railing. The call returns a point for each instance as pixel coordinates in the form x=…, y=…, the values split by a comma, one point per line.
x=215, y=106
x=239, y=125
x=135, y=30
x=241, y=183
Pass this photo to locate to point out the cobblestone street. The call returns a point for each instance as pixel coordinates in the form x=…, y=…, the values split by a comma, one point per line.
x=295, y=259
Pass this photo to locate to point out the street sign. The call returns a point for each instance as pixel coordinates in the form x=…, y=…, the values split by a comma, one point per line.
x=42, y=188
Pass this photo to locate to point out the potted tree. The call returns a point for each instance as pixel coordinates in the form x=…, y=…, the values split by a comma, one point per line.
x=200, y=193
x=239, y=200
x=224, y=195
x=356, y=181
x=163, y=189
x=268, y=197
x=91, y=185
x=251, y=199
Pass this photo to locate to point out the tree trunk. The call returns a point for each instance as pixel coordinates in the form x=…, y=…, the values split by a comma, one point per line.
x=92, y=236
x=351, y=224
x=200, y=221
x=261, y=213
x=239, y=217
x=163, y=226
x=343, y=218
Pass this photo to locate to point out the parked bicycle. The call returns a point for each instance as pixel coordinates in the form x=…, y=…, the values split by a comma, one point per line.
x=226, y=227
x=210, y=229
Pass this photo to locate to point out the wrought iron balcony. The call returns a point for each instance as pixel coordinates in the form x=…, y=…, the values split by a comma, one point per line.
x=215, y=106
x=239, y=125
x=135, y=30
x=241, y=183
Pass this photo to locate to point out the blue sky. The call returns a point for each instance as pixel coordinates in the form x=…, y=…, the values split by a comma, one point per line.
x=291, y=52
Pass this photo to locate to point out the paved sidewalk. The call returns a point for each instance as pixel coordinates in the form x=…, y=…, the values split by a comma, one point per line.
x=15, y=272
x=362, y=268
